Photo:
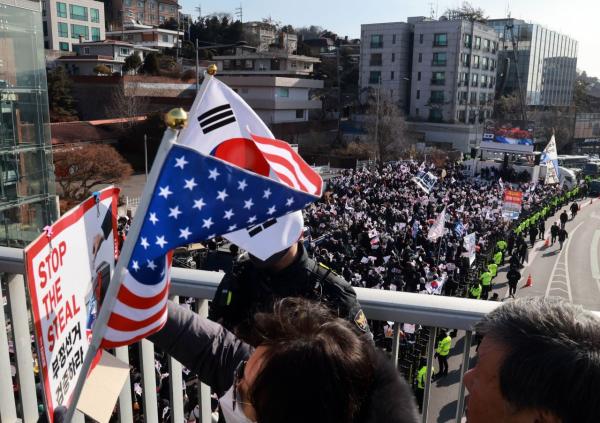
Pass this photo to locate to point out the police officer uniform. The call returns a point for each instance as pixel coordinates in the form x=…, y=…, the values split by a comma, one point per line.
x=247, y=290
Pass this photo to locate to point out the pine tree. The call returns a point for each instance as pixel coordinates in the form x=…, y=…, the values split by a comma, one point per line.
x=61, y=102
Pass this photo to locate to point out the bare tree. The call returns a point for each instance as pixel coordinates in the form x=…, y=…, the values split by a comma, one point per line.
x=386, y=127
x=124, y=105
x=81, y=168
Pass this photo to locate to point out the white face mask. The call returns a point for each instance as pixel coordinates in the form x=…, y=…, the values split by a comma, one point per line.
x=231, y=415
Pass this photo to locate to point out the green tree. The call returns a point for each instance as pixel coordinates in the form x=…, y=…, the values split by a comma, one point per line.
x=61, y=102
x=151, y=66
x=466, y=12
x=132, y=62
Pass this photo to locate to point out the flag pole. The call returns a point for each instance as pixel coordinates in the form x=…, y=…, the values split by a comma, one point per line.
x=175, y=121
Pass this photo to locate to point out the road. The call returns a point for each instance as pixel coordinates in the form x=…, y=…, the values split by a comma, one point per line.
x=572, y=273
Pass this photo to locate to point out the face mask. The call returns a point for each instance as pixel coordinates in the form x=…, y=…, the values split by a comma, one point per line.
x=231, y=415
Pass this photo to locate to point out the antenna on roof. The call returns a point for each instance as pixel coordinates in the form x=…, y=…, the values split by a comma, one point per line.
x=239, y=12
x=508, y=9
x=431, y=11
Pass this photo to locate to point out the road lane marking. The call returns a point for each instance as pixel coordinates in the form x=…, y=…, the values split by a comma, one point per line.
x=564, y=256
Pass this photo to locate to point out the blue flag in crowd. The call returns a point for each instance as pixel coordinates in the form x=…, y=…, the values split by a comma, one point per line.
x=459, y=229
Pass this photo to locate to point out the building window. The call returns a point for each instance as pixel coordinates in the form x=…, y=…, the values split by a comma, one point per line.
x=438, y=78
x=165, y=38
x=418, y=94
x=374, y=77
x=45, y=28
x=127, y=3
x=492, y=64
x=462, y=97
x=484, y=81
x=473, y=99
x=467, y=40
x=123, y=51
x=375, y=59
x=440, y=40
x=95, y=34
x=477, y=42
x=376, y=41
x=63, y=46
x=420, y=38
x=152, y=5
x=43, y=8
x=161, y=19
x=486, y=44
x=436, y=115
x=462, y=115
x=161, y=7
x=475, y=62
x=140, y=3
x=437, y=97
x=63, y=30
x=439, y=59
x=393, y=57
x=463, y=79
x=61, y=10
x=394, y=39
x=420, y=57
x=392, y=75
x=299, y=113
x=482, y=98
x=494, y=46
x=77, y=30
x=474, y=79
x=140, y=16
x=79, y=13
x=418, y=76
x=95, y=15
x=86, y=50
x=282, y=92
x=465, y=59
x=484, y=63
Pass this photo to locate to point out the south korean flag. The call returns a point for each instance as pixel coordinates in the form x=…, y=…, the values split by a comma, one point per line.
x=230, y=130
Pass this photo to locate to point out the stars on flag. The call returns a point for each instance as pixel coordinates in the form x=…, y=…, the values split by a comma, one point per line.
x=174, y=212
x=213, y=174
x=271, y=210
x=185, y=233
x=144, y=243
x=161, y=241
x=207, y=223
x=165, y=192
x=228, y=214
x=248, y=203
x=198, y=204
x=222, y=195
x=135, y=265
x=267, y=193
x=190, y=184
x=242, y=185
x=289, y=201
x=153, y=218
x=180, y=162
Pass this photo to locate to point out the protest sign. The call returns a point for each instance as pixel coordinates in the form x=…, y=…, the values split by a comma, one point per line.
x=425, y=181
x=511, y=208
x=68, y=268
x=469, y=244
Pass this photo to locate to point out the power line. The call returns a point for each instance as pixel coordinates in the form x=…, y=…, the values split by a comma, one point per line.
x=239, y=13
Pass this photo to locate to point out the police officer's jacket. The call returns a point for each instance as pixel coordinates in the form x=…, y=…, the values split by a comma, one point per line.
x=247, y=290
x=213, y=353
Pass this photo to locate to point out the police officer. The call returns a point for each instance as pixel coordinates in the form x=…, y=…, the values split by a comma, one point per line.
x=253, y=286
x=475, y=291
x=486, y=283
x=498, y=257
x=421, y=377
x=554, y=232
x=442, y=351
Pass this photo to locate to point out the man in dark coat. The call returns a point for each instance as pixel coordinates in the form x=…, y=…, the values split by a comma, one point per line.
x=513, y=277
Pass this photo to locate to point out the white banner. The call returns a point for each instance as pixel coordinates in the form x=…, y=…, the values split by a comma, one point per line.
x=68, y=268
x=469, y=244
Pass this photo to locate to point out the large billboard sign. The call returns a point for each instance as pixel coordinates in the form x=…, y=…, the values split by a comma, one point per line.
x=511, y=136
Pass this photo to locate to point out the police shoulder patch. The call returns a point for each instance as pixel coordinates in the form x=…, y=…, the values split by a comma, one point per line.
x=361, y=320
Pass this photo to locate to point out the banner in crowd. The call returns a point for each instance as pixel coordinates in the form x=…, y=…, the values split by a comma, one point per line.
x=550, y=158
x=508, y=135
x=435, y=286
x=68, y=268
x=469, y=244
x=513, y=201
x=438, y=228
x=425, y=181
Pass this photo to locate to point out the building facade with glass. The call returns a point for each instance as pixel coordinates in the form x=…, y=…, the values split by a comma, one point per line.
x=546, y=62
x=27, y=189
x=66, y=22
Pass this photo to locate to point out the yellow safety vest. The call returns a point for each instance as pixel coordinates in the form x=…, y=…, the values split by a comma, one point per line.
x=443, y=348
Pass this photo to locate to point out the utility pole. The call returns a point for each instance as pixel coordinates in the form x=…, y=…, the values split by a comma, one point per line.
x=199, y=10
x=197, y=76
x=239, y=13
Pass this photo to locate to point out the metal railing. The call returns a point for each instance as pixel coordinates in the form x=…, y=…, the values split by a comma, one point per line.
x=426, y=310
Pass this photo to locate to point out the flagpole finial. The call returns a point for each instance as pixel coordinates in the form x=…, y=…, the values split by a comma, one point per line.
x=212, y=70
x=176, y=118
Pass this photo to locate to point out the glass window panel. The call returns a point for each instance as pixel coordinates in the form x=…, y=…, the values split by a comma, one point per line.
x=95, y=34
x=61, y=10
x=78, y=13
x=95, y=15
x=63, y=30
x=77, y=30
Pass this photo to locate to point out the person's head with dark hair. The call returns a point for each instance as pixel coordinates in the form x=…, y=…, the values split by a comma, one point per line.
x=309, y=366
x=539, y=361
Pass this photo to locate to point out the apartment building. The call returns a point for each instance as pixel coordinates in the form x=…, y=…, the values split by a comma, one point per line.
x=546, y=61
x=275, y=83
x=145, y=12
x=385, y=61
x=454, y=71
x=67, y=22
x=147, y=36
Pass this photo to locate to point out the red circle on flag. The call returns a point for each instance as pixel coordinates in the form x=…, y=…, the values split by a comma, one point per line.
x=244, y=153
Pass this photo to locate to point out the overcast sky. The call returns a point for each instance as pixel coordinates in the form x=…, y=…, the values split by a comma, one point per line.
x=576, y=18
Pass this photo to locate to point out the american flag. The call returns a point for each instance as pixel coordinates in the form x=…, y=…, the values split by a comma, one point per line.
x=198, y=196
